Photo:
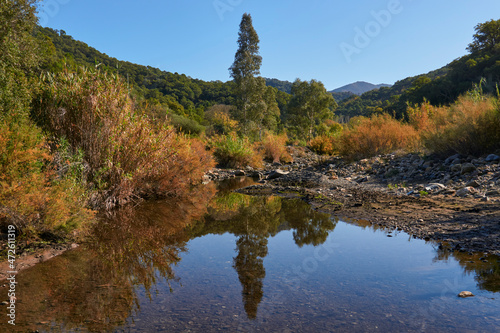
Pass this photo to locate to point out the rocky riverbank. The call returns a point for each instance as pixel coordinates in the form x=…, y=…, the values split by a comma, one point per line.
x=455, y=201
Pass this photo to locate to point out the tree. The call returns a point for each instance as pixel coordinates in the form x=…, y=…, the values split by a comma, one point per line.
x=309, y=106
x=250, y=90
x=486, y=38
x=18, y=54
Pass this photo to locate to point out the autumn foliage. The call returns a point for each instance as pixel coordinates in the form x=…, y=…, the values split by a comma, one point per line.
x=127, y=155
x=380, y=134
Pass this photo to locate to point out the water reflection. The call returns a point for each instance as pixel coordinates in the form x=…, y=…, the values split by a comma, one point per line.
x=486, y=270
x=96, y=287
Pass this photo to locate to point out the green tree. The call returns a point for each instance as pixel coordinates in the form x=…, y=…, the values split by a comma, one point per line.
x=486, y=38
x=309, y=106
x=18, y=54
x=249, y=88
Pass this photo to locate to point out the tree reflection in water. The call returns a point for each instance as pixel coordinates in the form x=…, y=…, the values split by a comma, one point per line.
x=253, y=220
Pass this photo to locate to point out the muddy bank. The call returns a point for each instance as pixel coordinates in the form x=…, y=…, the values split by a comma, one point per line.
x=32, y=255
x=455, y=203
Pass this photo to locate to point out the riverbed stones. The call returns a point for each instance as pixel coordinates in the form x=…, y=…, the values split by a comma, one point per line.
x=456, y=168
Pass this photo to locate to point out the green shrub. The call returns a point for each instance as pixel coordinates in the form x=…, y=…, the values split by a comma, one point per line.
x=186, y=125
x=234, y=152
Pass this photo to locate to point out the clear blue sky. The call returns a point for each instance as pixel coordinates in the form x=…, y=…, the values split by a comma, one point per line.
x=334, y=41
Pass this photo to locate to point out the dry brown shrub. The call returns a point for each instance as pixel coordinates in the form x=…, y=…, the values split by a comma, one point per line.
x=380, y=134
x=470, y=126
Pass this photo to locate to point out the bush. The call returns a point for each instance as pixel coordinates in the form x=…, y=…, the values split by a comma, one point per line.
x=380, y=134
x=470, y=126
x=324, y=145
x=274, y=148
x=186, y=125
x=234, y=152
x=128, y=156
x=33, y=197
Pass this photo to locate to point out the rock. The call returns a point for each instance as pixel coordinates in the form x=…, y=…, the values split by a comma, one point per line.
x=434, y=187
x=465, y=294
x=239, y=173
x=472, y=183
x=5, y=303
x=257, y=174
x=463, y=192
x=467, y=168
x=276, y=174
x=492, y=158
x=451, y=158
x=456, y=168
x=74, y=246
x=493, y=193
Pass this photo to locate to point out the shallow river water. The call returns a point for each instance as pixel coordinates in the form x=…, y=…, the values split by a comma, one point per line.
x=230, y=262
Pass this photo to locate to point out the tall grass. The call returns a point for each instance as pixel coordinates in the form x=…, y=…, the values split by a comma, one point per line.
x=128, y=156
x=470, y=126
x=379, y=134
x=33, y=196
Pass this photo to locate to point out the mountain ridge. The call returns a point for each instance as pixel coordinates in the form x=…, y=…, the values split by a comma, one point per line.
x=359, y=87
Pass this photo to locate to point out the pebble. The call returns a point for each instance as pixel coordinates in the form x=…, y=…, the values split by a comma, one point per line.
x=465, y=294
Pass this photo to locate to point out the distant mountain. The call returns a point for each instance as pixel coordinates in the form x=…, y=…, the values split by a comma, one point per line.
x=359, y=88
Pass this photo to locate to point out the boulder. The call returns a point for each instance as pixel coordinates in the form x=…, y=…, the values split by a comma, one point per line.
x=467, y=168
x=451, y=158
x=463, y=192
x=492, y=158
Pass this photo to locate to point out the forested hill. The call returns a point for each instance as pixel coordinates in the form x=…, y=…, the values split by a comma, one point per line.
x=439, y=87
x=190, y=97
x=182, y=94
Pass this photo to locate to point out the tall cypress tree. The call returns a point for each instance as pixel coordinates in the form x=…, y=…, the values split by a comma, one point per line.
x=249, y=88
x=247, y=60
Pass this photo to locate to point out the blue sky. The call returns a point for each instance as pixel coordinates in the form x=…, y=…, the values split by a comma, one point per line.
x=335, y=41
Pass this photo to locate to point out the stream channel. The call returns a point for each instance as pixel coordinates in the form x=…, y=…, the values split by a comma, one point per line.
x=223, y=261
